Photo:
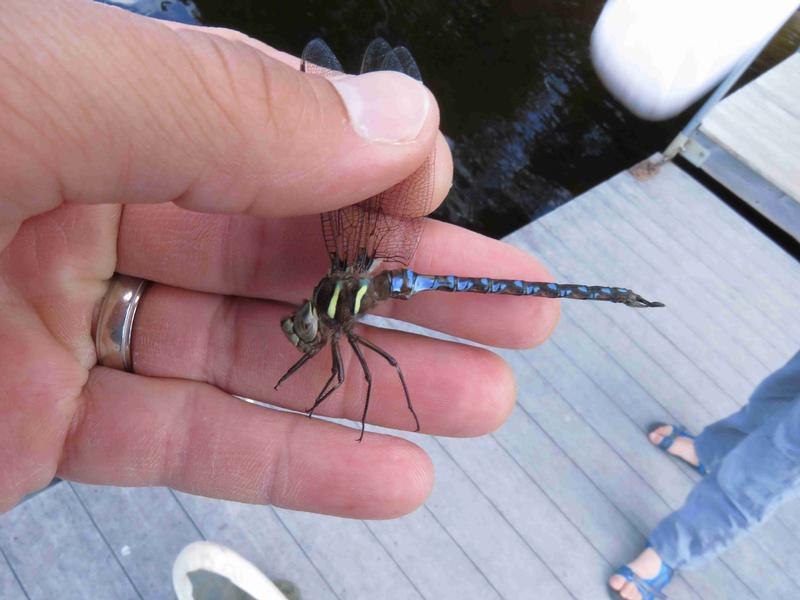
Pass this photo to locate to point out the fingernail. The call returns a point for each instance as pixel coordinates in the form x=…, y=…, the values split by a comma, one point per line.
x=384, y=106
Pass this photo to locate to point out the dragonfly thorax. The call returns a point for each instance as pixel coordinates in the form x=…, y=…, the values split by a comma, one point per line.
x=342, y=296
x=338, y=300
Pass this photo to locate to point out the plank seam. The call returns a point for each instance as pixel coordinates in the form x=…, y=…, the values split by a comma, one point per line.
x=700, y=256
x=503, y=516
x=590, y=480
x=461, y=548
x=14, y=573
x=660, y=334
x=186, y=512
x=624, y=459
x=710, y=289
x=576, y=222
x=305, y=553
x=393, y=559
x=105, y=540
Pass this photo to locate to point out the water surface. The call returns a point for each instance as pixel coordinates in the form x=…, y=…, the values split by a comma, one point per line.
x=530, y=124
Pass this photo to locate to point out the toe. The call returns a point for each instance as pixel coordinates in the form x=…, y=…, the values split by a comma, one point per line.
x=616, y=582
x=630, y=592
x=659, y=433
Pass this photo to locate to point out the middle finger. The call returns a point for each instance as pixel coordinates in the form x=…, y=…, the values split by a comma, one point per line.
x=237, y=345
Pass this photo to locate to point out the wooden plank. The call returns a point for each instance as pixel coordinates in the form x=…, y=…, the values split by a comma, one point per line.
x=742, y=285
x=10, y=587
x=612, y=474
x=653, y=389
x=666, y=342
x=743, y=257
x=146, y=528
x=608, y=529
x=788, y=515
x=751, y=561
x=746, y=558
x=259, y=535
x=779, y=539
x=428, y=554
x=760, y=125
x=609, y=424
x=57, y=552
x=545, y=528
x=669, y=280
x=499, y=551
x=354, y=562
x=713, y=293
x=676, y=390
x=781, y=83
x=657, y=364
x=771, y=202
x=735, y=241
x=618, y=263
x=781, y=544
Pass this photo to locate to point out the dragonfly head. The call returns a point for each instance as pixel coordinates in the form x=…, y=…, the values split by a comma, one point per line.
x=302, y=328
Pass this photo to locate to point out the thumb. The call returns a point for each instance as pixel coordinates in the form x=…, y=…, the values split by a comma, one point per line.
x=99, y=105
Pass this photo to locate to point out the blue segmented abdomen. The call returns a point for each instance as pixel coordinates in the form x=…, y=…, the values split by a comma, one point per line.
x=404, y=283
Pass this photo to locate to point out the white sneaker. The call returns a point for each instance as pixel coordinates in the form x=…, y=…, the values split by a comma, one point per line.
x=206, y=571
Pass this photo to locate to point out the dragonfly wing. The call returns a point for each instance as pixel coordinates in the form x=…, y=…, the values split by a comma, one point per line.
x=319, y=59
x=387, y=226
x=407, y=63
x=374, y=55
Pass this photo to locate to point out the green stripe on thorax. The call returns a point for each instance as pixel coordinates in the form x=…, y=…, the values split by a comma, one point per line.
x=359, y=296
x=334, y=300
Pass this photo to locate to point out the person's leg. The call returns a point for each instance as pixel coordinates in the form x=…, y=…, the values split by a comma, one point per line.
x=751, y=481
x=758, y=474
x=773, y=395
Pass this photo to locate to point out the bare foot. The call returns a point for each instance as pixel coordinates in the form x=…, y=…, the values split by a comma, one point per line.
x=646, y=565
x=682, y=447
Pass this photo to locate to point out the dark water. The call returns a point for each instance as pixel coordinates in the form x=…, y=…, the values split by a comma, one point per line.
x=530, y=124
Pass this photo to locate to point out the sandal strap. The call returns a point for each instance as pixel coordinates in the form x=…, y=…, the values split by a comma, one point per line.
x=669, y=439
x=677, y=432
x=650, y=589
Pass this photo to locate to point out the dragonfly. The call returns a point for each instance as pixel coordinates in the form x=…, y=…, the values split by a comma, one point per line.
x=386, y=229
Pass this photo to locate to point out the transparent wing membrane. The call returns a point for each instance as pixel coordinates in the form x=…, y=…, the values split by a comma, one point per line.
x=319, y=59
x=387, y=226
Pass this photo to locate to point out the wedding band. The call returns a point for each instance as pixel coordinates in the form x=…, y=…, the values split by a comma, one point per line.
x=115, y=323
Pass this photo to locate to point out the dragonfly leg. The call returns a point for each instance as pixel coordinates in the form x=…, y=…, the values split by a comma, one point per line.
x=392, y=361
x=294, y=368
x=367, y=375
x=336, y=371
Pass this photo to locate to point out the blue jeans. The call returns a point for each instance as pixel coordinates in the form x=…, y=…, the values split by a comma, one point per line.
x=754, y=462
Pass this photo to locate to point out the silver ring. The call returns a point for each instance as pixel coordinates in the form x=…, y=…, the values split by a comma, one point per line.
x=115, y=322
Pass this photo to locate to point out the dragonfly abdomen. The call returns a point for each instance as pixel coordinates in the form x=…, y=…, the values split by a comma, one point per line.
x=404, y=283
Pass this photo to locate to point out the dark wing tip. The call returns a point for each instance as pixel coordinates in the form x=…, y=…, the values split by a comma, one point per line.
x=380, y=56
x=407, y=62
x=374, y=55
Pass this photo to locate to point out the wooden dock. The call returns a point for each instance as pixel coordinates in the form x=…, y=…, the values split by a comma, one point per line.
x=547, y=506
x=550, y=503
x=750, y=142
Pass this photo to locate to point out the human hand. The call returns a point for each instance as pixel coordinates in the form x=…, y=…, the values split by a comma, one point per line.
x=199, y=159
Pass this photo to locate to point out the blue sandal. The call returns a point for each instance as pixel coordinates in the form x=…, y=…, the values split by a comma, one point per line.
x=650, y=589
x=667, y=441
